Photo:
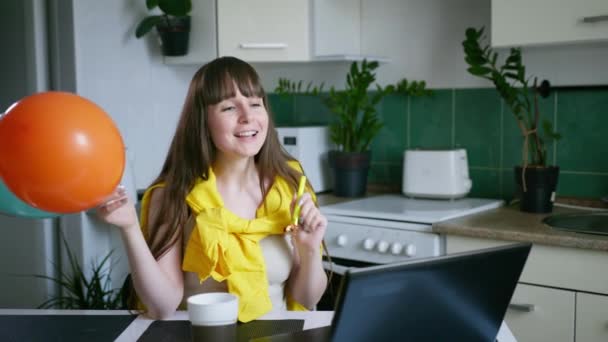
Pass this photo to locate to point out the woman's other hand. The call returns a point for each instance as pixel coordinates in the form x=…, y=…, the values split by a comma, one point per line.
x=118, y=210
x=308, y=281
x=311, y=226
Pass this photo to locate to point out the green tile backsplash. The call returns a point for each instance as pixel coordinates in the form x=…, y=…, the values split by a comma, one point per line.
x=282, y=109
x=477, y=125
x=310, y=110
x=432, y=120
x=390, y=143
x=476, y=119
x=582, y=118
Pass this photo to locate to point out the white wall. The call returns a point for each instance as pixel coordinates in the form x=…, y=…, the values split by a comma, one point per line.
x=127, y=77
x=423, y=39
x=581, y=64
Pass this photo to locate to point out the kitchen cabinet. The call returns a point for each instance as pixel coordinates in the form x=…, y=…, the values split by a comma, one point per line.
x=539, y=313
x=592, y=317
x=268, y=30
x=274, y=31
x=553, y=296
x=542, y=22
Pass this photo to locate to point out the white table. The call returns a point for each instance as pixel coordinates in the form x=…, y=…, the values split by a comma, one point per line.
x=312, y=319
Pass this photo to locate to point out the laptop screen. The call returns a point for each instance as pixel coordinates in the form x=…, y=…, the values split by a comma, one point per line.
x=458, y=297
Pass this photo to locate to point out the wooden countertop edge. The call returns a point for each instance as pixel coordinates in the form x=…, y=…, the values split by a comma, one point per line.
x=506, y=223
x=506, y=235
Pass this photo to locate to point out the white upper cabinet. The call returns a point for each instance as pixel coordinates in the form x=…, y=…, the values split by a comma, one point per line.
x=274, y=30
x=264, y=30
x=337, y=29
x=542, y=22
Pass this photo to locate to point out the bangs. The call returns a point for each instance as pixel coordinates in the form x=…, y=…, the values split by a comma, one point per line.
x=223, y=74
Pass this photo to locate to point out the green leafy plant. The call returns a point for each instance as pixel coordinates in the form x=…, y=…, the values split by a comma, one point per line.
x=80, y=292
x=355, y=107
x=287, y=87
x=357, y=121
x=169, y=8
x=519, y=92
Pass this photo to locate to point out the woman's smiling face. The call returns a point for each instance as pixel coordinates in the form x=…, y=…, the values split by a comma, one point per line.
x=238, y=125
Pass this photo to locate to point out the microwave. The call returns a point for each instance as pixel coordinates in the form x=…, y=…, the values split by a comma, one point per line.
x=310, y=145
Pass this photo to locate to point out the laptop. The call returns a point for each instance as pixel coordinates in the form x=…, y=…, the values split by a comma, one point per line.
x=457, y=297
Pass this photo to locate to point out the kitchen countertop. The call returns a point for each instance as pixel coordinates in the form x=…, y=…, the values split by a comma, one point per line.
x=511, y=224
x=327, y=198
x=506, y=223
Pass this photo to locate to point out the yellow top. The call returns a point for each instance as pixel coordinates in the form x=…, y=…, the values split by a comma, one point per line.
x=226, y=247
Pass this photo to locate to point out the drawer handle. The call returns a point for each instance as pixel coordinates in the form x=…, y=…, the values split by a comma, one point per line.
x=522, y=307
x=263, y=46
x=595, y=19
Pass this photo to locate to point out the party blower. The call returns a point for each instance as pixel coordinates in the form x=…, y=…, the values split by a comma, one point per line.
x=293, y=227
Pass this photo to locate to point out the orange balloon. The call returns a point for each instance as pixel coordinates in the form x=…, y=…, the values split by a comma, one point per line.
x=60, y=152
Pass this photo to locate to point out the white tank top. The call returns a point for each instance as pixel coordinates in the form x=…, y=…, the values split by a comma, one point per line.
x=278, y=256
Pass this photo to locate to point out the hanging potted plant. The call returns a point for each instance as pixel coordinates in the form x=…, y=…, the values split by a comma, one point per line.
x=535, y=179
x=173, y=25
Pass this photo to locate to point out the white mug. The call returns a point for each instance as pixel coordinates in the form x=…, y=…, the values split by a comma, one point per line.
x=213, y=309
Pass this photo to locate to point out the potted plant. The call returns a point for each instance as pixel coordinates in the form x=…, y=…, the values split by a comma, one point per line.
x=535, y=179
x=79, y=291
x=357, y=123
x=173, y=25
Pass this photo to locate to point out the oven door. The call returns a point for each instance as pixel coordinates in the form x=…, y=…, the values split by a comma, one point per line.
x=338, y=266
x=335, y=272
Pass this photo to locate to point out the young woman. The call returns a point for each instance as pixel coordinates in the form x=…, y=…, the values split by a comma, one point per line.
x=215, y=218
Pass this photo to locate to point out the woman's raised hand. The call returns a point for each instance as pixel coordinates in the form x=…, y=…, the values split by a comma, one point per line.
x=118, y=210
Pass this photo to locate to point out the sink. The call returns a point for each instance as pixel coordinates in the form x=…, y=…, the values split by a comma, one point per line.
x=589, y=223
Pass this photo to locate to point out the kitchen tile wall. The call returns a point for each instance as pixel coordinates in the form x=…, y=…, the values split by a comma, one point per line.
x=477, y=120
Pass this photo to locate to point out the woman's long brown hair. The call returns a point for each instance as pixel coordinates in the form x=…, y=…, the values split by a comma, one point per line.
x=192, y=151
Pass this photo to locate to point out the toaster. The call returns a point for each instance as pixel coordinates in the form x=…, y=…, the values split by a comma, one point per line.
x=436, y=173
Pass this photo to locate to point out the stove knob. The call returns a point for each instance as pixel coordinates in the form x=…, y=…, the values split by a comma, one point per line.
x=341, y=240
x=396, y=248
x=368, y=244
x=410, y=250
x=382, y=246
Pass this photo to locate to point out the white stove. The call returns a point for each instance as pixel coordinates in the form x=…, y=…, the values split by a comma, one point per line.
x=392, y=228
x=404, y=209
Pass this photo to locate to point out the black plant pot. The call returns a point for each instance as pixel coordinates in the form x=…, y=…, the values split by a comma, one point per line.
x=350, y=171
x=174, y=35
x=540, y=188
